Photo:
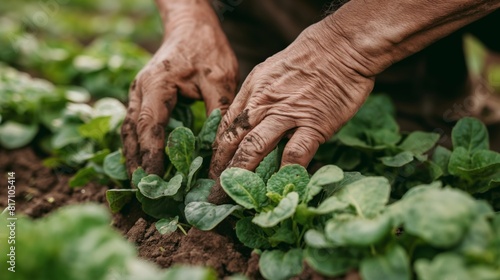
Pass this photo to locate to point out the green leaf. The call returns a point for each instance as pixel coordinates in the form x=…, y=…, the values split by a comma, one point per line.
x=153, y=186
x=358, y=231
x=393, y=265
x=331, y=262
x=200, y=191
x=83, y=177
x=289, y=178
x=279, y=265
x=244, y=187
x=180, y=148
x=14, y=135
x=251, y=235
x=268, y=166
x=349, y=177
x=206, y=216
x=419, y=142
x=460, y=159
x=137, y=176
x=368, y=195
x=190, y=272
x=163, y=207
x=96, y=129
x=398, y=160
x=117, y=198
x=441, y=157
x=484, y=158
x=111, y=107
x=317, y=239
x=284, y=234
x=68, y=134
x=209, y=130
x=470, y=134
x=329, y=205
x=193, y=168
x=284, y=210
x=167, y=225
x=438, y=216
x=443, y=266
x=326, y=175
x=114, y=166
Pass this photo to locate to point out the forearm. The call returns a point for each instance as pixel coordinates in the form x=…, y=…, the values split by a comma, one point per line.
x=383, y=32
x=175, y=13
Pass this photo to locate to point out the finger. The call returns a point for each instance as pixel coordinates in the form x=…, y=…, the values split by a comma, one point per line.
x=230, y=132
x=155, y=111
x=129, y=129
x=259, y=142
x=218, y=91
x=301, y=148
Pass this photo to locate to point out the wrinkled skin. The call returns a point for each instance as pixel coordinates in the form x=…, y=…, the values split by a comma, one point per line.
x=305, y=92
x=195, y=61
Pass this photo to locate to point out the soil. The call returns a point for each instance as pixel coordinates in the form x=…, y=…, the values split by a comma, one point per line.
x=40, y=190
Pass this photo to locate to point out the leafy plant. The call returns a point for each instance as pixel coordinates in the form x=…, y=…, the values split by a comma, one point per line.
x=77, y=242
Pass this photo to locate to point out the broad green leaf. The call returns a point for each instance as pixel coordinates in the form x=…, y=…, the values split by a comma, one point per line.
x=284, y=210
x=317, y=239
x=137, y=176
x=114, y=166
x=485, y=158
x=349, y=159
x=244, y=187
x=393, y=265
x=193, y=168
x=68, y=134
x=349, y=177
x=438, y=216
x=279, y=265
x=251, y=235
x=206, y=216
x=470, y=134
x=460, y=159
x=441, y=157
x=190, y=272
x=419, y=142
x=268, y=166
x=111, y=107
x=200, y=191
x=14, y=135
x=284, y=234
x=180, y=148
x=326, y=175
x=209, y=130
x=153, y=186
x=358, y=231
x=478, y=240
x=443, y=266
x=167, y=225
x=96, y=129
x=99, y=156
x=398, y=160
x=289, y=178
x=117, y=198
x=368, y=195
x=329, y=205
x=163, y=207
x=83, y=177
x=331, y=262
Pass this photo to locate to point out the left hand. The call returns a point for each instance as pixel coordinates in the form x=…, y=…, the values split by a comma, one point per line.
x=309, y=90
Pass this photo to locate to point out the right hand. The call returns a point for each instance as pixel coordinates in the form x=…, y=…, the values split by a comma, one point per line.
x=195, y=61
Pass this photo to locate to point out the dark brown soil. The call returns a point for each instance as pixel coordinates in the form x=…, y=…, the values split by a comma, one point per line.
x=40, y=190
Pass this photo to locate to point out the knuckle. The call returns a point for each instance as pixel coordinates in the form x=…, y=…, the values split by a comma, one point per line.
x=146, y=118
x=255, y=144
x=297, y=151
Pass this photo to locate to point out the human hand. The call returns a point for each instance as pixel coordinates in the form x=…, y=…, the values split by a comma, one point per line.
x=195, y=61
x=308, y=91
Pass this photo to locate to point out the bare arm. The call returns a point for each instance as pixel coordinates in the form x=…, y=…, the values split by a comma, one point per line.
x=311, y=88
x=386, y=31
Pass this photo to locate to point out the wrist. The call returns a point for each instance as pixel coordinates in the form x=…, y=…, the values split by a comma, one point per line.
x=179, y=13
